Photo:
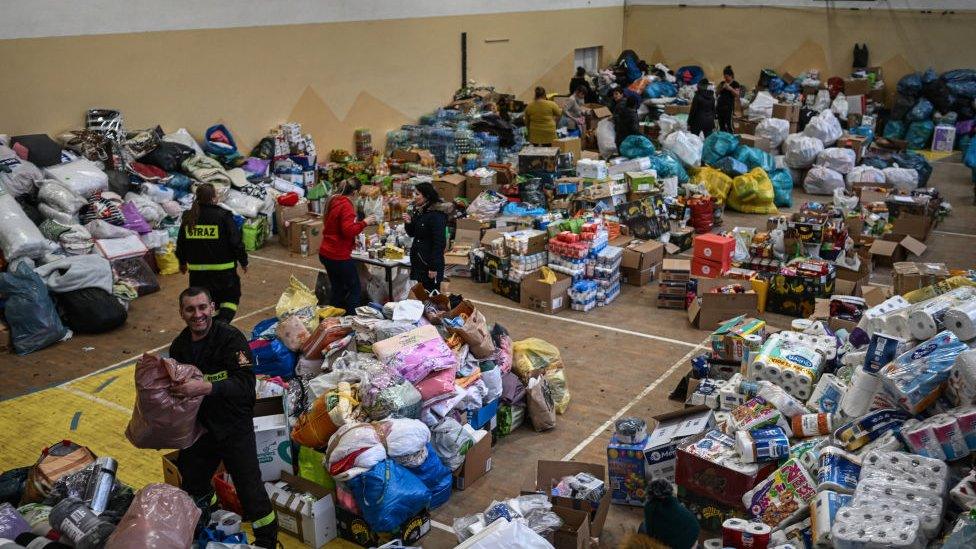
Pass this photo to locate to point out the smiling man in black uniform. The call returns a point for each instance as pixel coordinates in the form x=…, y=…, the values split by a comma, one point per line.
x=221, y=352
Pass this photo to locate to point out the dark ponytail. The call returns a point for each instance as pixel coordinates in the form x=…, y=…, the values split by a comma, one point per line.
x=206, y=194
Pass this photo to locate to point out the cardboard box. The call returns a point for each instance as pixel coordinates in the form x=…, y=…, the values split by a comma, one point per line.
x=641, y=182
x=536, y=242
x=857, y=143
x=944, y=138
x=405, y=155
x=549, y=473
x=709, y=310
x=676, y=270
x=311, y=226
x=785, y=111
x=642, y=255
x=354, y=528
x=571, y=145
x=467, y=236
x=713, y=247
x=908, y=276
x=636, y=277
x=594, y=113
x=472, y=224
x=272, y=438
x=886, y=252
x=857, y=86
x=506, y=288
x=575, y=530
x=311, y=520
x=450, y=186
x=476, y=185
x=677, y=109
x=706, y=268
x=459, y=254
x=632, y=466
x=477, y=463
x=715, y=481
x=917, y=226
x=547, y=298
x=538, y=159
x=744, y=125
x=284, y=215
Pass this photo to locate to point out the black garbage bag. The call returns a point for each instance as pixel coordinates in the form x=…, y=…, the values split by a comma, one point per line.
x=915, y=161
x=91, y=310
x=903, y=105
x=12, y=485
x=910, y=84
x=938, y=93
x=168, y=156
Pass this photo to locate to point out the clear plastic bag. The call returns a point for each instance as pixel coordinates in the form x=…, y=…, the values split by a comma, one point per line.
x=161, y=516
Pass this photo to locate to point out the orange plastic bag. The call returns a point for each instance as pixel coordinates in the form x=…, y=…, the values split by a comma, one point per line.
x=329, y=411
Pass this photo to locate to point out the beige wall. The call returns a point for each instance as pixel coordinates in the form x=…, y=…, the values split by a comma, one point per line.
x=795, y=40
x=332, y=78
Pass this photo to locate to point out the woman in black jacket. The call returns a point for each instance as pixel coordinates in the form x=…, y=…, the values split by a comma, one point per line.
x=428, y=226
x=624, y=116
x=701, y=119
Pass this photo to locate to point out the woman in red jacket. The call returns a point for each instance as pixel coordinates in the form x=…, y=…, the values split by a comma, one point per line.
x=338, y=239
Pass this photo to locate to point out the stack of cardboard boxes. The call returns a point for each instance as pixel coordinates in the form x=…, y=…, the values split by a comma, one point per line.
x=712, y=255
x=641, y=260
x=673, y=289
x=292, y=221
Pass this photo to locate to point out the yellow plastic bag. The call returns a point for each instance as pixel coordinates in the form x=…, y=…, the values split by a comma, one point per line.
x=716, y=183
x=166, y=260
x=534, y=355
x=559, y=389
x=753, y=193
x=548, y=275
x=329, y=311
x=298, y=300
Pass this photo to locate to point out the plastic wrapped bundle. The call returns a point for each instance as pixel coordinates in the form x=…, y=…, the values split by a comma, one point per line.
x=824, y=127
x=19, y=176
x=686, y=146
x=19, y=237
x=161, y=516
x=81, y=176
x=486, y=205
x=161, y=420
x=865, y=174
x=58, y=196
x=417, y=353
x=451, y=442
x=752, y=193
x=918, y=374
x=837, y=159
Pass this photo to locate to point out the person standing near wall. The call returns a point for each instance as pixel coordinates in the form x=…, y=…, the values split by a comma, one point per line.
x=578, y=80
x=540, y=119
x=210, y=247
x=428, y=227
x=701, y=118
x=339, y=232
x=624, y=116
x=728, y=95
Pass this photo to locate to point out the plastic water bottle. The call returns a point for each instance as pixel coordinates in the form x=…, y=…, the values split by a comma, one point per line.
x=100, y=484
x=303, y=243
x=79, y=524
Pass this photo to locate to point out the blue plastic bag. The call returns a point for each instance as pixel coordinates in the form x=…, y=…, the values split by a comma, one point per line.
x=694, y=71
x=30, y=312
x=731, y=167
x=435, y=476
x=876, y=161
x=915, y=161
x=717, y=146
x=668, y=165
x=636, y=146
x=970, y=158
x=658, y=89
x=863, y=131
x=265, y=328
x=929, y=76
x=755, y=158
x=919, y=134
x=961, y=82
x=273, y=358
x=388, y=495
x=894, y=129
x=776, y=85
x=212, y=534
x=792, y=87
x=782, y=187
x=521, y=210
x=179, y=183
x=910, y=84
x=921, y=111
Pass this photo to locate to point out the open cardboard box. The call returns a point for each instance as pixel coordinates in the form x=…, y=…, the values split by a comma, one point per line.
x=313, y=522
x=575, y=530
x=450, y=186
x=709, y=310
x=477, y=463
x=893, y=247
x=548, y=473
x=548, y=298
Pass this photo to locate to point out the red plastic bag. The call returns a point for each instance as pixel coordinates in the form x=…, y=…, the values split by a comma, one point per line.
x=161, y=420
x=288, y=199
x=161, y=516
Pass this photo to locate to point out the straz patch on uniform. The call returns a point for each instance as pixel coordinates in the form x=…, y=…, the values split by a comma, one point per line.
x=219, y=376
x=203, y=232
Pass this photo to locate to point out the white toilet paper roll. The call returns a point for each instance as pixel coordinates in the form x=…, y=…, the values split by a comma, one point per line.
x=961, y=320
x=858, y=397
x=896, y=324
x=714, y=543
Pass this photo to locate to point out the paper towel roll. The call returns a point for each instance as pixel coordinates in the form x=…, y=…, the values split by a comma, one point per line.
x=966, y=418
x=962, y=379
x=800, y=324
x=896, y=324
x=858, y=397
x=950, y=437
x=822, y=513
x=961, y=320
x=714, y=543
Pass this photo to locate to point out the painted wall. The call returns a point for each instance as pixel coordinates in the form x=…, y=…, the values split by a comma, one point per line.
x=796, y=40
x=331, y=77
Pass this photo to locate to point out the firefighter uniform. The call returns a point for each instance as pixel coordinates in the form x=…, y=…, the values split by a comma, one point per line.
x=225, y=359
x=211, y=251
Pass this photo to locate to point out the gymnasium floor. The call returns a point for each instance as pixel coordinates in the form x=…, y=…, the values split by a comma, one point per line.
x=620, y=360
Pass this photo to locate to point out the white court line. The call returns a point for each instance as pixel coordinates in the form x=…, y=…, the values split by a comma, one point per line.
x=587, y=324
x=289, y=263
x=96, y=400
x=608, y=423
x=523, y=311
x=156, y=349
x=955, y=234
x=441, y=526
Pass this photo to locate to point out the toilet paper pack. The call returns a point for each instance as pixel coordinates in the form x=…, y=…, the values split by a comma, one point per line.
x=873, y=527
x=783, y=497
x=915, y=377
x=924, y=504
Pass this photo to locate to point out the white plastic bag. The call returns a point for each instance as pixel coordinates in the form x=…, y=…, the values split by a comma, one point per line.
x=606, y=138
x=669, y=124
x=242, y=204
x=823, y=180
x=686, y=146
x=60, y=197
x=82, y=176
x=761, y=107
x=183, y=137
x=824, y=127
x=839, y=106
x=18, y=176
x=19, y=237
x=801, y=150
x=158, y=193
x=822, y=101
x=865, y=174
x=773, y=130
x=155, y=239
x=50, y=212
x=904, y=179
x=843, y=202
x=837, y=159
x=503, y=533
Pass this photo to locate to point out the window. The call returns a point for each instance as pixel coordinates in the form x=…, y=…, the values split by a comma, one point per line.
x=588, y=58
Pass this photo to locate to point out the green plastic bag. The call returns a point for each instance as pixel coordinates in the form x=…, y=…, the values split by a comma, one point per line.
x=310, y=468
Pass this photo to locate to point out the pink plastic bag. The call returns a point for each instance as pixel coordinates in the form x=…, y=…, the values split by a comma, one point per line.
x=161, y=516
x=436, y=384
x=161, y=420
x=417, y=353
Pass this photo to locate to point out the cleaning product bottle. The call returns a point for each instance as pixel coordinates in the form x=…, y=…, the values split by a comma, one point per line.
x=79, y=524
x=100, y=484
